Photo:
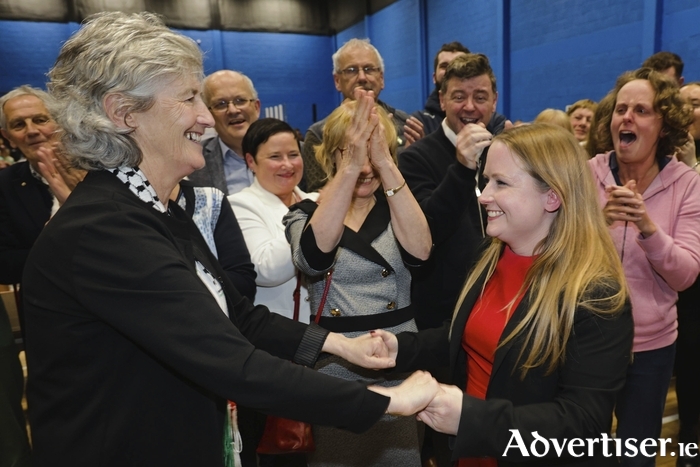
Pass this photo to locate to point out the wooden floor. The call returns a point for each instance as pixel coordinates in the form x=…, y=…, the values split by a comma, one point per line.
x=669, y=428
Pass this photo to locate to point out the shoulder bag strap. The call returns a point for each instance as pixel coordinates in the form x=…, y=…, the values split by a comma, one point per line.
x=329, y=275
x=297, y=297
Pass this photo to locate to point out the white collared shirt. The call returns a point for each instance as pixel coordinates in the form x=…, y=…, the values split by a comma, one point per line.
x=451, y=135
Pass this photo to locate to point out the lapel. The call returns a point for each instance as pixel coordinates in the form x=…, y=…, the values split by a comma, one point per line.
x=460, y=322
x=503, y=351
x=268, y=206
x=214, y=159
x=183, y=232
x=28, y=191
x=361, y=242
x=192, y=245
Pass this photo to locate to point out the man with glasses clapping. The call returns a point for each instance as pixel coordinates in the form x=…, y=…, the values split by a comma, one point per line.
x=357, y=64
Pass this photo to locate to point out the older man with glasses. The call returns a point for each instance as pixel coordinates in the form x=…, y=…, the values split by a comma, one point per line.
x=234, y=103
x=357, y=64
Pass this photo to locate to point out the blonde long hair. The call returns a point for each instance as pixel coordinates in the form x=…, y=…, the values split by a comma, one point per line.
x=577, y=264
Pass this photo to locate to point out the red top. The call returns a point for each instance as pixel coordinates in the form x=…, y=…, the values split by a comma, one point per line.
x=486, y=324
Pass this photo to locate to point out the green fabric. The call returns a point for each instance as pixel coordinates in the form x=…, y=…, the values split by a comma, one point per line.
x=231, y=455
x=228, y=441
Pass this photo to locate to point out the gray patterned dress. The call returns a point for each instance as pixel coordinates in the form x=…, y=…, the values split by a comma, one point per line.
x=370, y=289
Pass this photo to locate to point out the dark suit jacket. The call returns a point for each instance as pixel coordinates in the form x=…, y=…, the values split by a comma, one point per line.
x=130, y=357
x=575, y=401
x=25, y=206
x=212, y=174
x=445, y=190
x=232, y=252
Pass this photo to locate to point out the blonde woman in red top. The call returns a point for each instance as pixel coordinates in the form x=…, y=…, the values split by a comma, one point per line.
x=542, y=332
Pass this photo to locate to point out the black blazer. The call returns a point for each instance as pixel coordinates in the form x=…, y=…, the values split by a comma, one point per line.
x=25, y=206
x=232, y=252
x=212, y=174
x=575, y=401
x=131, y=359
x=445, y=190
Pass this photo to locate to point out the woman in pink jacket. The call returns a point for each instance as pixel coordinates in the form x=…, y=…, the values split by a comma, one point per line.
x=652, y=205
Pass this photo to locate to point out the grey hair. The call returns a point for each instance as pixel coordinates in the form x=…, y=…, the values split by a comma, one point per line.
x=356, y=43
x=206, y=96
x=24, y=90
x=130, y=56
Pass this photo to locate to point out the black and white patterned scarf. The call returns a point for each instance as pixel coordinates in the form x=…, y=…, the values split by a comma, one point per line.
x=139, y=185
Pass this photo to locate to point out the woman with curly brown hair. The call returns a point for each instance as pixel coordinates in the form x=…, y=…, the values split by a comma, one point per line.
x=651, y=202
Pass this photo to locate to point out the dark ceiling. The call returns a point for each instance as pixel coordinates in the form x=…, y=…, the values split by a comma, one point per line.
x=323, y=17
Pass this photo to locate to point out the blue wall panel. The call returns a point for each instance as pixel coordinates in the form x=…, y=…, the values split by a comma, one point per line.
x=28, y=50
x=558, y=52
x=681, y=34
x=562, y=51
x=356, y=31
x=290, y=69
x=394, y=32
x=210, y=45
x=473, y=23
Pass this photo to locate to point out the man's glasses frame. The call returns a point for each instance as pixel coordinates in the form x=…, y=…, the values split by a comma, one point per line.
x=353, y=71
x=222, y=104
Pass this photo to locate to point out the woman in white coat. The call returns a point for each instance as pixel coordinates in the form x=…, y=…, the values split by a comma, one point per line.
x=272, y=153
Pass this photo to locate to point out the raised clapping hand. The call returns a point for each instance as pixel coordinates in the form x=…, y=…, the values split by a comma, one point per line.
x=444, y=410
x=686, y=153
x=379, y=154
x=413, y=130
x=627, y=205
x=55, y=168
x=357, y=136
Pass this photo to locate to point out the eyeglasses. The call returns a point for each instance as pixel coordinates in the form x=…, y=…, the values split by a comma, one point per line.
x=353, y=71
x=222, y=105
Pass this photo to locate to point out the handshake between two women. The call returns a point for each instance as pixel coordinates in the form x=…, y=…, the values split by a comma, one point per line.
x=437, y=405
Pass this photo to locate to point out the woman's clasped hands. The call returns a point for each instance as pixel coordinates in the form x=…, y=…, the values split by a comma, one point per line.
x=626, y=204
x=365, y=138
